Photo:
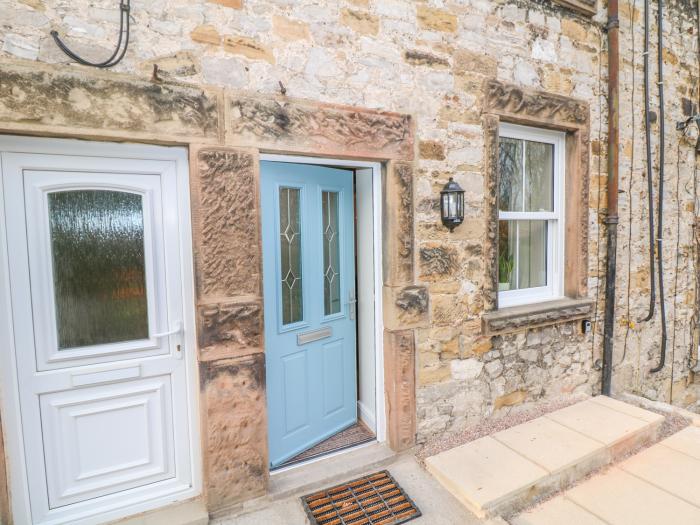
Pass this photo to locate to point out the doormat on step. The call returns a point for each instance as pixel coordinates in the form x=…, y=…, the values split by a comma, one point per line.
x=375, y=499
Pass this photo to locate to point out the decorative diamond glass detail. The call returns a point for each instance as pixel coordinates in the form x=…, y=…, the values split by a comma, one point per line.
x=290, y=255
x=97, y=249
x=331, y=253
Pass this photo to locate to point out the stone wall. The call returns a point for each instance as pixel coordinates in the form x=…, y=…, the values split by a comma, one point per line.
x=431, y=60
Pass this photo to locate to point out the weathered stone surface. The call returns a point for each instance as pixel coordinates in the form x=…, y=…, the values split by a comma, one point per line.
x=290, y=29
x=529, y=316
x=422, y=58
x=225, y=213
x=319, y=128
x=587, y=7
x=247, y=47
x=466, y=369
x=431, y=150
x=436, y=19
x=360, y=21
x=437, y=262
x=206, y=34
x=106, y=105
x=468, y=62
x=400, y=384
x=235, y=429
x=524, y=104
x=235, y=4
x=181, y=64
x=398, y=224
x=229, y=329
x=510, y=399
x=490, y=124
x=405, y=307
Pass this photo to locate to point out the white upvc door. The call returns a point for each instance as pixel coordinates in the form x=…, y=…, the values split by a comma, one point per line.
x=100, y=292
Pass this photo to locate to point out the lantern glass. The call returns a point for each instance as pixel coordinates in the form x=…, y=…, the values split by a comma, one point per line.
x=452, y=204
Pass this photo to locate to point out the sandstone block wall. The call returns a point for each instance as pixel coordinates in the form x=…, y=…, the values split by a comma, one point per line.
x=432, y=60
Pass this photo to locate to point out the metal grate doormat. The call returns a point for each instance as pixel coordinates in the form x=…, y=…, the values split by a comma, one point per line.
x=375, y=499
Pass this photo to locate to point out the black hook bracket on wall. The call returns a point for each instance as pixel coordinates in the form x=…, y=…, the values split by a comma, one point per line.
x=119, y=52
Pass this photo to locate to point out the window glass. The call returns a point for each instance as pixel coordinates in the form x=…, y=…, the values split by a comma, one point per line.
x=331, y=253
x=522, y=254
x=290, y=255
x=99, y=276
x=510, y=156
x=539, y=177
x=529, y=226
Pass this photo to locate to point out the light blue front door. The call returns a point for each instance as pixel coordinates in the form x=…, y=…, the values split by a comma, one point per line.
x=309, y=286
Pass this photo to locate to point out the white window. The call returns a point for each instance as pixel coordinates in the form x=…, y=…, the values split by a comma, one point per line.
x=530, y=215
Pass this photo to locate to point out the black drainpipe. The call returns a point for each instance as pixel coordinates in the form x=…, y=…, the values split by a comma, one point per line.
x=662, y=146
x=611, y=218
x=650, y=166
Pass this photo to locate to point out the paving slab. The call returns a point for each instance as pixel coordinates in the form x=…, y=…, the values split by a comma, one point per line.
x=626, y=408
x=598, y=422
x=686, y=441
x=483, y=473
x=619, y=498
x=669, y=470
x=557, y=511
x=549, y=444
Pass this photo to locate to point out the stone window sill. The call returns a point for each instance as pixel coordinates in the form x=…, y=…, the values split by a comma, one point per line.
x=516, y=318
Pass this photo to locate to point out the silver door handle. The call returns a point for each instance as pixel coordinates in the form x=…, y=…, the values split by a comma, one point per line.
x=352, y=303
x=176, y=330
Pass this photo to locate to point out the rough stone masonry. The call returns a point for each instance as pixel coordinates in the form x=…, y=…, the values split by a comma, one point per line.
x=429, y=59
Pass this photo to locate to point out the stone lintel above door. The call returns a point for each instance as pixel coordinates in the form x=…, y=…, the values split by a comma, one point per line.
x=282, y=124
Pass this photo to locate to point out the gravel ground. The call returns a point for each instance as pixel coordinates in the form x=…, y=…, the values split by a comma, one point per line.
x=493, y=425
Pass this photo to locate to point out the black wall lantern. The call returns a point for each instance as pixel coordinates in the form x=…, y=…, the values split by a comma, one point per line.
x=452, y=204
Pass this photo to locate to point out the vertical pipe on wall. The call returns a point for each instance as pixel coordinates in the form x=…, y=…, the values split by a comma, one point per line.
x=650, y=165
x=662, y=161
x=611, y=218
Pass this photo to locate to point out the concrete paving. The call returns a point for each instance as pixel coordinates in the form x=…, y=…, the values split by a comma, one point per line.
x=499, y=474
x=438, y=507
x=558, y=511
x=659, y=485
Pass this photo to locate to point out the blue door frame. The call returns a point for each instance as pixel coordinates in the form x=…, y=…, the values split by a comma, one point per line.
x=309, y=288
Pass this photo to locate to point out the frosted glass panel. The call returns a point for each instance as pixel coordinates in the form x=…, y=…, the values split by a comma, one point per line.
x=97, y=248
x=331, y=254
x=290, y=255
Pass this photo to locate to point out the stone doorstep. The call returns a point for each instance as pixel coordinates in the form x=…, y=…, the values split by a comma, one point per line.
x=503, y=473
x=188, y=513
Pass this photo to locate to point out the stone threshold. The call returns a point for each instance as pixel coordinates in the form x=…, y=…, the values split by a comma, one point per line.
x=193, y=512
x=308, y=477
x=503, y=473
x=515, y=318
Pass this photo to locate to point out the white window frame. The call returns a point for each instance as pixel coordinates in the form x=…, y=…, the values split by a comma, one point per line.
x=555, y=219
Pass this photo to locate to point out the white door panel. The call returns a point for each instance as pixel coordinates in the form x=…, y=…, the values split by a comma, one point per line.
x=101, y=297
x=78, y=424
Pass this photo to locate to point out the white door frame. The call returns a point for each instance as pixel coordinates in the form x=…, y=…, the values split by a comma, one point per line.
x=9, y=389
x=376, y=167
